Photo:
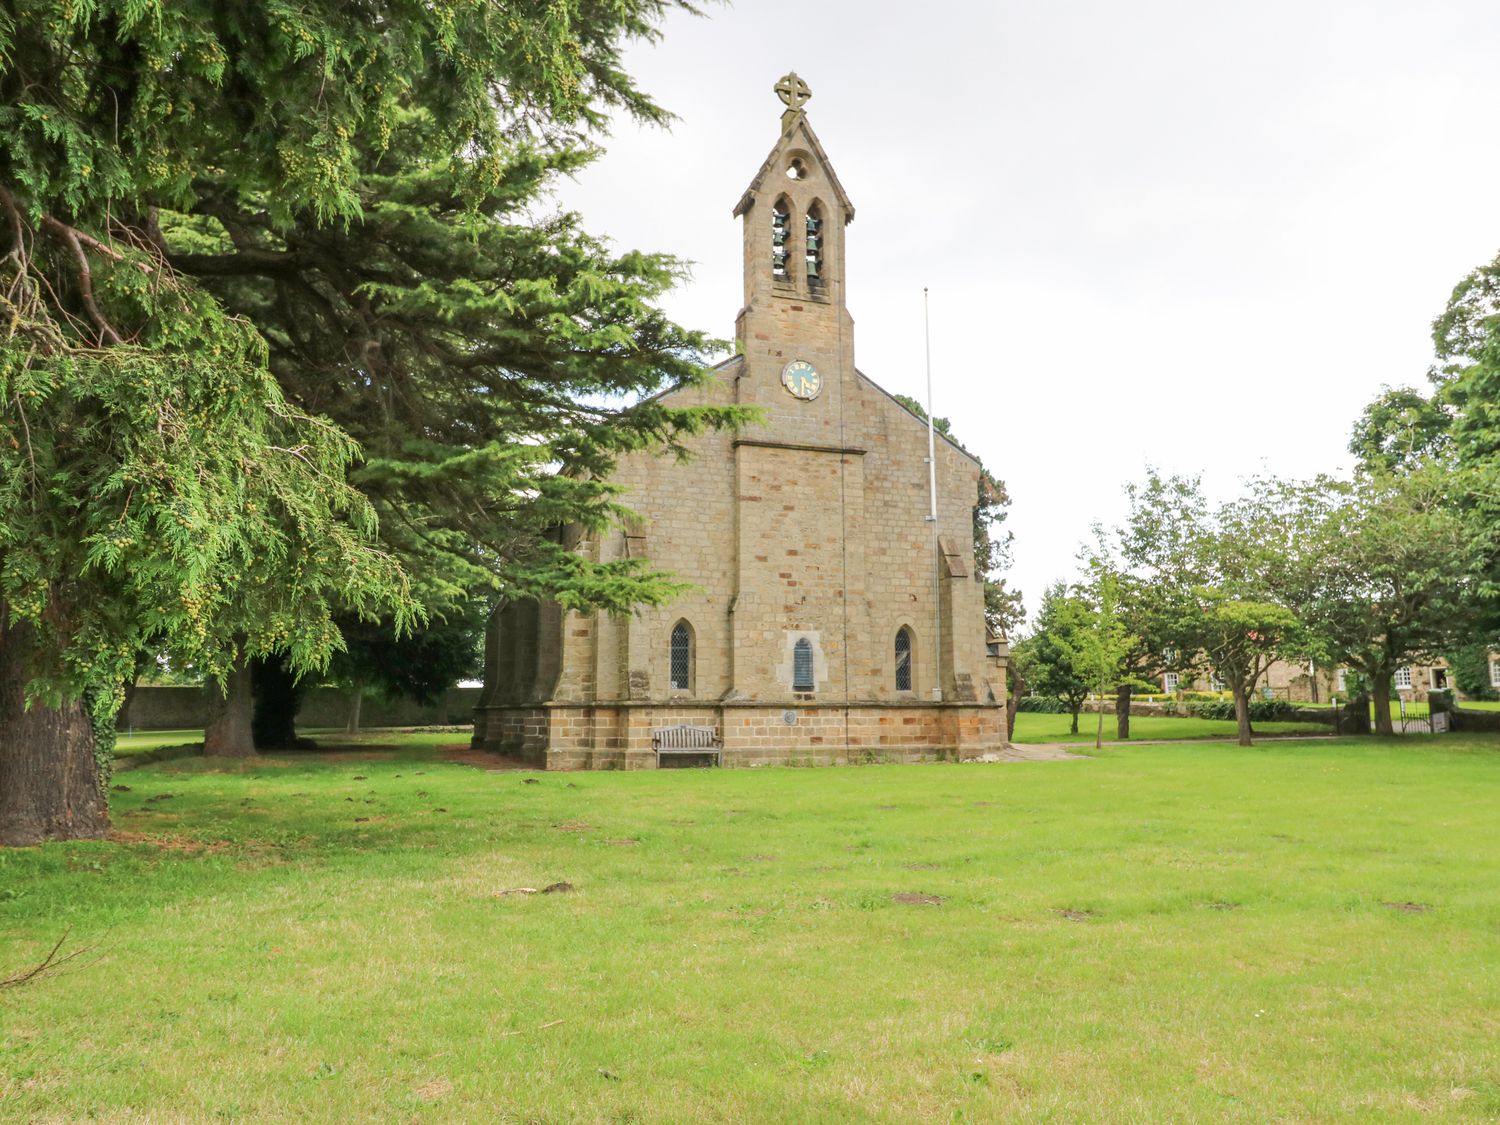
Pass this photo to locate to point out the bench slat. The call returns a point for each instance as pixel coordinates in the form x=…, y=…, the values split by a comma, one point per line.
x=685, y=738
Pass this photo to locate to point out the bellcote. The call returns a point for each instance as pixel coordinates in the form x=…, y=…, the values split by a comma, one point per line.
x=795, y=211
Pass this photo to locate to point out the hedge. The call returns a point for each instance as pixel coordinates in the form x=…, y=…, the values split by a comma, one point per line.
x=1261, y=710
x=1043, y=705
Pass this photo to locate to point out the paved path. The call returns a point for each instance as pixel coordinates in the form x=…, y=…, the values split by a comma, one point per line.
x=1060, y=751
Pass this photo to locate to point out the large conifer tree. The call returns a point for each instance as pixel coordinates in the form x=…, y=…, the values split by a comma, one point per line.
x=194, y=196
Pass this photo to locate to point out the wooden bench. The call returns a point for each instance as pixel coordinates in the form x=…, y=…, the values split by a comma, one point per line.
x=684, y=740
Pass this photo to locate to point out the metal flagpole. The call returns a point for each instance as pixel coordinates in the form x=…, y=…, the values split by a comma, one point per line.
x=932, y=518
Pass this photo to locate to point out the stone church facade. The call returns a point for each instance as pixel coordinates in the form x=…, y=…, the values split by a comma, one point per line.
x=826, y=621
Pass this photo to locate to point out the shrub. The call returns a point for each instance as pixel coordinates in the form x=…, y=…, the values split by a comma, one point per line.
x=1042, y=705
x=1261, y=710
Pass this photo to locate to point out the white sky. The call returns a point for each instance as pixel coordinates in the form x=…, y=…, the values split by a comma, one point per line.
x=1200, y=235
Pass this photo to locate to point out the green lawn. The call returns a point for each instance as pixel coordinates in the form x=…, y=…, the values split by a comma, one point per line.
x=141, y=741
x=1302, y=931
x=1034, y=727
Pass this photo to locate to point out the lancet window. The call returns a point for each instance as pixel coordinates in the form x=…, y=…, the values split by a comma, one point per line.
x=781, y=233
x=813, y=246
x=682, y=657
x=802, y=665
x=903, y=660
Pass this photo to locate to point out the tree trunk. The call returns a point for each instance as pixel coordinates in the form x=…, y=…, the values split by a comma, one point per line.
x=50, y=783
x=1122, y=712
x=228, y=733
x=355, y=704
x=1242, y=714
x=1382, y=694
x=1075, y=719
x=277, y=697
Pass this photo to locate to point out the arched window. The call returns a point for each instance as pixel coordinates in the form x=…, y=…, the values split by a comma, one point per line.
x=802, y=665
x=903, y=659
x=682, y=657
x=781, y=233
x=814, y=248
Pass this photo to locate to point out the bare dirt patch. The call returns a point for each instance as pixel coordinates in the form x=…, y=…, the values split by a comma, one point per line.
x=549, y=889
x=187, y=845
x=462, y=754
x=1408, y=907
x=1077, y=915
x=573, y=826
x=435, y=1090
x=920, y=866
x=906, y=898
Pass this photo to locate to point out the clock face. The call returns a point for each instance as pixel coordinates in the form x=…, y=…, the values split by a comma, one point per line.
x=802, y=379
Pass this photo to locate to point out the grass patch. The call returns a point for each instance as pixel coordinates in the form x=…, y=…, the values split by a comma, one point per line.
x=1299, y=931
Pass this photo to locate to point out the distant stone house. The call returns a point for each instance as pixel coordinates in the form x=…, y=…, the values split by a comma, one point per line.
x=1302, y=683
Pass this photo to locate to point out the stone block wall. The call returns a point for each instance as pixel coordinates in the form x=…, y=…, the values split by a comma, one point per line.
x=559, y=736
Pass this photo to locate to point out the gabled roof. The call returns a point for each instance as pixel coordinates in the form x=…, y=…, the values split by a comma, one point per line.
x=798, y=123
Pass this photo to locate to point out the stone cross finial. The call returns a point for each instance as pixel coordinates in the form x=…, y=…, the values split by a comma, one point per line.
x=793, y=92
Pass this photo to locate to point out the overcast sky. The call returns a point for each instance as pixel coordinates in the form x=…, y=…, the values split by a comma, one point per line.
x=1192, y=234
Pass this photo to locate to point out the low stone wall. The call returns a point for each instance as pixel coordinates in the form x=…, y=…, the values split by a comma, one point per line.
x=186, y=708
x=1476, y=722
x=1328, y=716
x=618, y=736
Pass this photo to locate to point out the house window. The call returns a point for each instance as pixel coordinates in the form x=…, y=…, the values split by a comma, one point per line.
x=1169, y=682
x=1495, y=671
x=1215, y=682
x=802, y=665
x=1403, y=678
x=781, y=233
x=1439, y=679
x=1343, y=679
x=682, y=657
x=903, y=660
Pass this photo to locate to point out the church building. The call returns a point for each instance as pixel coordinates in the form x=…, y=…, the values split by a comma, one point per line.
x=829, y=618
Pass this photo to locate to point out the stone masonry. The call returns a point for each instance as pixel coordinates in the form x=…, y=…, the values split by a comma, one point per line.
x=811, y=527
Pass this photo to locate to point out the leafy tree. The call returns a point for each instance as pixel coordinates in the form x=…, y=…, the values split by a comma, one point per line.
x=1241, y=638
x=1401, y=427
x=1151, y=613
x=492, y=359
x=1055, y=659
x=1470, y=664
x=1213, y=606
x=159, y=487
x=1381, y=568
x=1103, y=647
x=420, y=665
x=1467, y=340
